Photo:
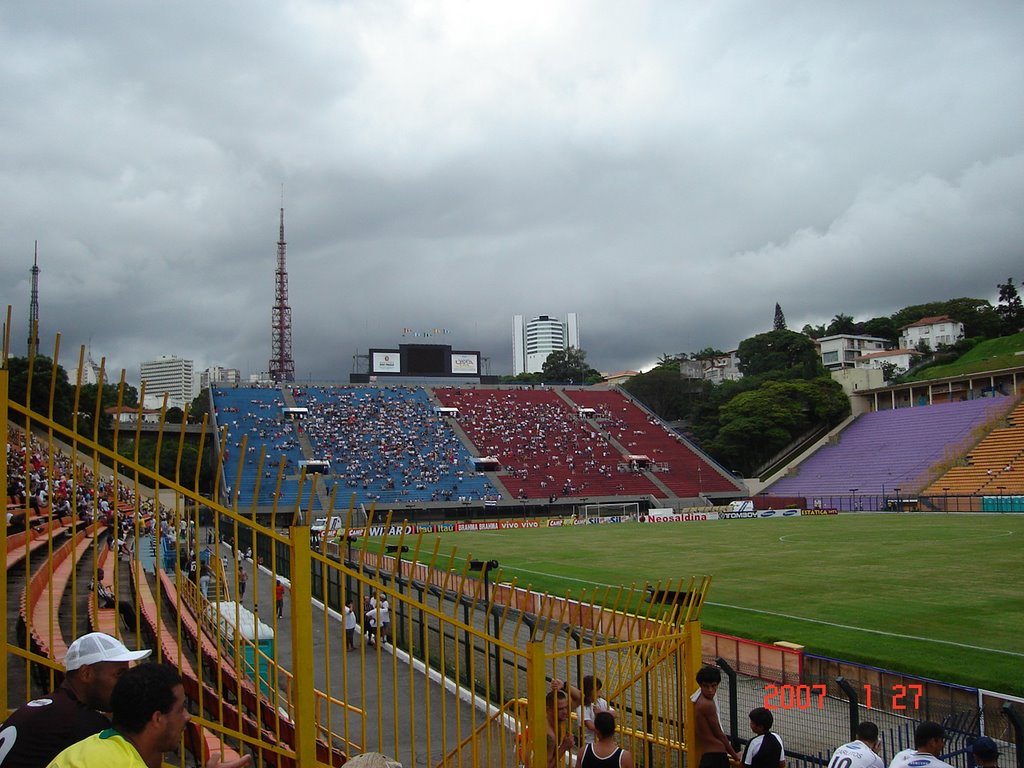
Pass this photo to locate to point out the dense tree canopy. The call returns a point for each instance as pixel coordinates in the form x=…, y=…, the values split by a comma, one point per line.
x=43, y=385
x=570, y=366
x=779, y=355
x=757, y=424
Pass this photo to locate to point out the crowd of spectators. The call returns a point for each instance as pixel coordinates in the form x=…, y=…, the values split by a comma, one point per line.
x=389, y=444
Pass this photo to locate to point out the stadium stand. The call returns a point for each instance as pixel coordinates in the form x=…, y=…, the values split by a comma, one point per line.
x=883, y=450
x=255, y=416
x=389, y=445
x=542, y=443
x=995, y=465
x=688, y=473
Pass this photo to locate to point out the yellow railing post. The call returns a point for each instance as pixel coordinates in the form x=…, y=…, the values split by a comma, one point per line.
x=3, y=549
x=692, y=664
x=303, y=684
x=536, y=692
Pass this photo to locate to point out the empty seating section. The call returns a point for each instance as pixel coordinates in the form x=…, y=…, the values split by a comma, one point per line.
x=686, y=473
x=255, y=414
x=542, y=443
x=884, y=450
x=388, y=445
x=994, y=466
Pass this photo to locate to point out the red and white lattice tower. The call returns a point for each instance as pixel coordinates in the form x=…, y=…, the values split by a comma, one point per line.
x=33, y=308
x=282, y=366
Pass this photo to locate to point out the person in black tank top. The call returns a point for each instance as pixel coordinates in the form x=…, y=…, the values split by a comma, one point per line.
x=604, y=752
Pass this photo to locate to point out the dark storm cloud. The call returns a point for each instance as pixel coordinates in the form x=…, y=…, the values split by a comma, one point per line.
x=666, y=170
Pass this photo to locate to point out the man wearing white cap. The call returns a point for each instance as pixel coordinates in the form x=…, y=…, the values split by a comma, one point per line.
x=37, y=731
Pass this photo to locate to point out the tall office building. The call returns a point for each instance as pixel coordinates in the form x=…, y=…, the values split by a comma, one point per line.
x=533, y=341
x=168, y=375
x=215, y=375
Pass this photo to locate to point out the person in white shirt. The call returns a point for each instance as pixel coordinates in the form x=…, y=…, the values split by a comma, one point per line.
x=862, y=753
x=929, y=739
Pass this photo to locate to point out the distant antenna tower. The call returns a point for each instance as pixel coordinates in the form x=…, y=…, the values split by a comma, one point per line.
x=33, y=308
x=282, y=366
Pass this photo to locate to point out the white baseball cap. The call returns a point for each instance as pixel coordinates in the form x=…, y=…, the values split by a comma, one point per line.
x=96, y=647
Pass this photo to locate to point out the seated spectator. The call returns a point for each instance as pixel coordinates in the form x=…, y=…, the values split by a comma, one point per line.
x=150, y=713
x=38, y=730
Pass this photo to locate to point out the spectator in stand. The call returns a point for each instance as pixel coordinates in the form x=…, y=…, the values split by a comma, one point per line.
x=765, y=750
x=861, y=753
x=149, y=715
x=715, y=746
x=604, y=750
x=986, y=752
x=593, y=703
x=929, y=740
x=35, y=732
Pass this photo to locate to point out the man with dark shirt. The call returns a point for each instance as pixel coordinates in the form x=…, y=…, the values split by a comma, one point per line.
x=765, y=750
x=37, y=731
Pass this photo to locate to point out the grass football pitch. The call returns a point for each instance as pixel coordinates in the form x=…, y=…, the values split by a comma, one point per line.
x=941, y=596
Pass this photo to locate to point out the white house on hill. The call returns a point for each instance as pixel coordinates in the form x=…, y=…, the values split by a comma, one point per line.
x=933, y=331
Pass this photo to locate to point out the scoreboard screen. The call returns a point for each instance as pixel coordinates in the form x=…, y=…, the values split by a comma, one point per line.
x=425, y=359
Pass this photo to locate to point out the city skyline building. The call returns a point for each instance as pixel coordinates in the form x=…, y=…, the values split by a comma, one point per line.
x=170, y=375
x=216, y=375
x=534, y=340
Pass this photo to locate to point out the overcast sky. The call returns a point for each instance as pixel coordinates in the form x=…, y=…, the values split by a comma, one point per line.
x=668, y=171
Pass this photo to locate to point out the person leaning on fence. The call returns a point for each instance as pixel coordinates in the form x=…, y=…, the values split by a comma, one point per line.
x=149, y=715
x=604, y=751
x=765, y=750
x=715, y=746
x=556, y=705
x=861, y=753
x=34, y=733
x=929, y=741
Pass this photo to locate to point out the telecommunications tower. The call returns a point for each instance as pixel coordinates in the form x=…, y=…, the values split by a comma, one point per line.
x=33, y=308
x=282, y=366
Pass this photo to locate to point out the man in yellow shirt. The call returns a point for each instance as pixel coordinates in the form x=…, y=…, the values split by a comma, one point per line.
x=149, y=715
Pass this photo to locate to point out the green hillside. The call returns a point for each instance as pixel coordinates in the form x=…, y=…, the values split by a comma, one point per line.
x=991, y=355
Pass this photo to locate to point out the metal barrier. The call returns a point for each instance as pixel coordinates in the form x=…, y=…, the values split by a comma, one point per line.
x=458, y=676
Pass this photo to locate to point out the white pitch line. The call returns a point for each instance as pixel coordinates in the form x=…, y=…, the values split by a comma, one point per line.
x=805, y=619
x=872, y=631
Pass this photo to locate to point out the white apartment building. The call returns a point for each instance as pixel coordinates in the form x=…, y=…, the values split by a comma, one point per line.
x=168, y=375
x=217, y=376
x=533, y=341
x=723, y=368
x=842, y=350
x=933, y=331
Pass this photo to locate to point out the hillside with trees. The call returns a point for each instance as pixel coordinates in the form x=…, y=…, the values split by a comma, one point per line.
x=785, y=393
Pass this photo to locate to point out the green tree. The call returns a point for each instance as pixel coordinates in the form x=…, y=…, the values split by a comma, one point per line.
x=200, y=407
x=108, y=397
x=841, y=324
x=708, y=353
x=570, y=365
x=890, y=371
x=814, y=331
x=780, y=319
x=664, y=391
x=42, y=378
x=1010, y=309
x=757, y=424
x=779, y=355
x=174, y=415
x=882, y=328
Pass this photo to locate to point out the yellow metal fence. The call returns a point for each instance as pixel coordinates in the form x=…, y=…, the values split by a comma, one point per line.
x=457, y=676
